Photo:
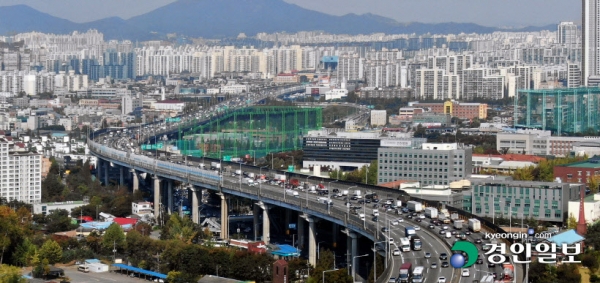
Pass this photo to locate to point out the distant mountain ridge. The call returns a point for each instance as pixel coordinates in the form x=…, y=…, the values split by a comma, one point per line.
x=228, y=18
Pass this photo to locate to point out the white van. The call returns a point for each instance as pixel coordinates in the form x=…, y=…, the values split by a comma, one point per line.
x=448, y=235
x=83, y=268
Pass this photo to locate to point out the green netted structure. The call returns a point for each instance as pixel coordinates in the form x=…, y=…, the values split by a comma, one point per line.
x=255, y=131
x=570, y=110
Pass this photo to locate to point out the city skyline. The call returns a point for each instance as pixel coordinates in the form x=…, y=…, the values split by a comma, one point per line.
x=510, y=13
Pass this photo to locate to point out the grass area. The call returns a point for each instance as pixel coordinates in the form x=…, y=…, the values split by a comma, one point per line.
x=585, y=275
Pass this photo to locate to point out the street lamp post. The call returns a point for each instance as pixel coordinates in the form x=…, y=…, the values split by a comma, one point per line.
x=319, y=249
x=253, y=157
x=375, y=259
x=354, y=266
x=306, y=188
x=327, y=271
x=329, y=195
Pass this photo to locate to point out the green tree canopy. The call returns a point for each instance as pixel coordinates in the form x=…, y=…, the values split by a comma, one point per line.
x=114, y=237
x=51, y=251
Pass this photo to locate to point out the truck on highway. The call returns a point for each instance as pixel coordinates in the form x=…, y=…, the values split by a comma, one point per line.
x=508, y=272
x=431, y=212
x=409, y=231
x=474, y=225
x=416, y=243
x=280, y=177
x=405, y=244
x=414, y=206
x=398, y=203
x=248, y=181
x=454, y=216
x=215, y=165
x=371, y=195
x=294, y=182
x=405, y=272
x=357, y=194
x=238, y=172
x=251, y=175
x=458, y=224
x=291, y=193
x=344, y=192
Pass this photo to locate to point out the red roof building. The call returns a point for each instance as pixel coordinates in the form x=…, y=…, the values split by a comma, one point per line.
x=124, y=221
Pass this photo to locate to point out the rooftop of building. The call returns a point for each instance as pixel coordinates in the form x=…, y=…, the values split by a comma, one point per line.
x=331, y=133
x=514, y=183
x=73, y=202
x=593, y=162
x=568, y=237
x=170, y=101
x=513, y=157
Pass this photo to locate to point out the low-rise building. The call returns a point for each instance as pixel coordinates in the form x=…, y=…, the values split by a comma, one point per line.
x=456, y=109
x=47, y=208
x=578, y=172
x=141, y=208
x=591, y=207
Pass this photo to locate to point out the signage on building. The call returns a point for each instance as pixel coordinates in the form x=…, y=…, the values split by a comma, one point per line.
x=396, y=143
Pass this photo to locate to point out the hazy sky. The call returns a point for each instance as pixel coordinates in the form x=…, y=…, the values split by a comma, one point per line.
x=484, y=12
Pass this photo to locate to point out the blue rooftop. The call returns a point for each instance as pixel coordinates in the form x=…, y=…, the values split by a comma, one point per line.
x=568, y=237
x=139, y=270
x=285, y=250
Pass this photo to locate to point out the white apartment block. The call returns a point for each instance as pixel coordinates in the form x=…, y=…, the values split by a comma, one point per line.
x=350, y=67
x=235, y=89
x=434, y=83
x=482, y=83
x=20, y=175
x=378, y=118
x=382, y=73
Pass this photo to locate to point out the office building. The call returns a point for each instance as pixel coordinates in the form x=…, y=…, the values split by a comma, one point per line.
x=545, y=201
x=539, y=142
x=378, y=118
x=432, y=164
x=21, y=175
x=350, y=150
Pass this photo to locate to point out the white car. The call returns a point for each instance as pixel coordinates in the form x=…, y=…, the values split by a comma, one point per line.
x=395, y=222
x=465, y=273
x=441, y=279
x=422, y=216
x=391, y=240
x=396, y=252
x=427, y=255
x=417, y=228
x=400, y=220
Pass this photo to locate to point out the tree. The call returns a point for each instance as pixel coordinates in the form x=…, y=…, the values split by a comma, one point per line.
x=590, y=260
x=58, y=221
x=380, y=267
x=568, y=273
x=524, y=174
x=572, y=222
x=593, y=182
x=51, y=251
x=113, y=238
x=24, y=253
x=11, y=274
x=542, y=273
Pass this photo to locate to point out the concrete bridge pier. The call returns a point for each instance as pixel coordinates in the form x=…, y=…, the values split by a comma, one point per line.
x=170, y=196
x=266, y=222
x=106, y=172
x=195, y=216
x=255, y=212
x=224, y=217
x=156, y=197
x=136, y=181
x=312, y=241
x=121, y=175
x=99, y=169
x=352, y=250
x=334, y=234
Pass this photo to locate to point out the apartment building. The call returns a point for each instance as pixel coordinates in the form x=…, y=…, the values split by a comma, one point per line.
x=20, y=175
x=456, y=109
x=378, y=118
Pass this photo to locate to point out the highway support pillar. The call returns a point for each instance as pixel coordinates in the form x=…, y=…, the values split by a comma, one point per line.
x=224, y=217
x=301, y=233
x=353, y=248
x=195, y=217
x=99, y=169
x=288, y=216
x=121, y=175
x=335, y=229
x=312, y=241
x=136, y=181
x=255, y=212
x=106, y=170
x=156, y=197
x=170, y=196
x=266, y=223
